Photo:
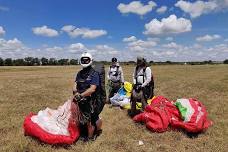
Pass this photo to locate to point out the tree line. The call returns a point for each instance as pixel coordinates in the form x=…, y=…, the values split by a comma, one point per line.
x=31, y=61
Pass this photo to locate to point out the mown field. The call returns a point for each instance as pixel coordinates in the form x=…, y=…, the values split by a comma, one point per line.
x=26, y=89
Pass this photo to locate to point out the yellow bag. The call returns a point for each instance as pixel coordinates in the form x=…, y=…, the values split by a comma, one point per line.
x=138, y=104
x=128, y=87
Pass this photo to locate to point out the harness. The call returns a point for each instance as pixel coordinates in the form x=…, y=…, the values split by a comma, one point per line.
x=86, y=105
x=143, y=75
x=148, y=89
x=116, y=72
x=83, y=82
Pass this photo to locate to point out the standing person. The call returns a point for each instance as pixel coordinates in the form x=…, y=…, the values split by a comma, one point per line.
x=143, y=84
x=86, y=83
x=115, y=78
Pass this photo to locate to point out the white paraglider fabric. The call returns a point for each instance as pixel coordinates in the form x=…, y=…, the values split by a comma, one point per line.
x=54, y=121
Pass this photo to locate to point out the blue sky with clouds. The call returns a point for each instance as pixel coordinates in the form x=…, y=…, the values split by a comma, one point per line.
x=159, y=30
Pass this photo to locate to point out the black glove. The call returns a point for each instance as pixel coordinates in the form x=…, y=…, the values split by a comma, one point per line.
x=138, y=88
x=78, y=97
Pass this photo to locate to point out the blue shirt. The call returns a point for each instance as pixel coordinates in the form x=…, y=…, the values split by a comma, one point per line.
x=92, y=79
x=95, y=79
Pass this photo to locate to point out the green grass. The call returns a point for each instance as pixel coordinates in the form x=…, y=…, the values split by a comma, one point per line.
x=30, y=89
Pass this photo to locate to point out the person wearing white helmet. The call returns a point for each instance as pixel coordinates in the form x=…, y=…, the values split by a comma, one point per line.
x=86, y=82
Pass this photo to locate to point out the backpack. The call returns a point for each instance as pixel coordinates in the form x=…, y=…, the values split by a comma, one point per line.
x=149, y=88
x=99, y=97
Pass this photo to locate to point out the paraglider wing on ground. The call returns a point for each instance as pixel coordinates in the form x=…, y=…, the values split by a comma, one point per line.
x=54, y=126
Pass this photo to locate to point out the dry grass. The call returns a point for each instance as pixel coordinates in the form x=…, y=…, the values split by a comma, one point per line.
x=26, y=89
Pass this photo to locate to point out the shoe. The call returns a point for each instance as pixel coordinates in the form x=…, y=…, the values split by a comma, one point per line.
x=98, y=132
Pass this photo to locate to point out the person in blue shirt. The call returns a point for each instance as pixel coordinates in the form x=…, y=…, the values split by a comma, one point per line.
x=86, y=82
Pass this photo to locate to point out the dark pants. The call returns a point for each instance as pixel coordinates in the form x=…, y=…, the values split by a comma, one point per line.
x=114, y=87
x=86, y=109
x=138, y=97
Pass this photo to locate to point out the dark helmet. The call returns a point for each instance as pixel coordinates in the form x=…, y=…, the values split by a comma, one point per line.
x=114, y=59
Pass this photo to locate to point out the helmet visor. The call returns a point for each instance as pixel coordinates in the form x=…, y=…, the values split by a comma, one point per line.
x=114, y=60
x=85, y=60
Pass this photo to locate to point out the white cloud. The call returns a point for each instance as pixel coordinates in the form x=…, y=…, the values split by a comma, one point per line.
x=141, y=45
x=226, y=40
x=13, y=48
x=208, y=38
x=2, y=31
x=197, y=8
x=105, y=49
x=73, y=31
x=222, y=4
x=155, y=39
x=54, y=49
x=45, y=31
x=169, y=39
x=172, y=51
x=220, y=48
x=11, y=45
x=162, y=9
x=129, y=39
x=136, y=7
x=77, y=48
x=4, y=9
x=99, y=52
x=172, y=45
x=172, y=24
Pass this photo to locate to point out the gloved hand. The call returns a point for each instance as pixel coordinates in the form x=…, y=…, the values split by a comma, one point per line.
x=78, y=97
x=138, y=88
x=134, y=86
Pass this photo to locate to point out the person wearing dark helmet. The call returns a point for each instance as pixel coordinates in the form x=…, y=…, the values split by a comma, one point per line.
x=143, y=84
x=115, y=78
x=86, y=83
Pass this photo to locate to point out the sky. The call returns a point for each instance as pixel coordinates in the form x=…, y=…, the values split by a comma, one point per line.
x=174, y=30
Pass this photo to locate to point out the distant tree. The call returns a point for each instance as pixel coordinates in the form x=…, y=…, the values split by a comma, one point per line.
x=29, y=61
x=168, y=62
x=1, y=62
x=19, y=62
x=151, y=62
x=8, y=62
x=53, y=61
x=36, y=61
x=73, y=62
x=63, y=61
x=132, y=62
x=44, y=61
x=207, y=62
x=225, y=61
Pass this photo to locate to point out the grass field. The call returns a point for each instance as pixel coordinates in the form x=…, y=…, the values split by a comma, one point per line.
x=26, y=89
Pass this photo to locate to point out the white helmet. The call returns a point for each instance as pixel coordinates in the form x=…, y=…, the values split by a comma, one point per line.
x=86, y=59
